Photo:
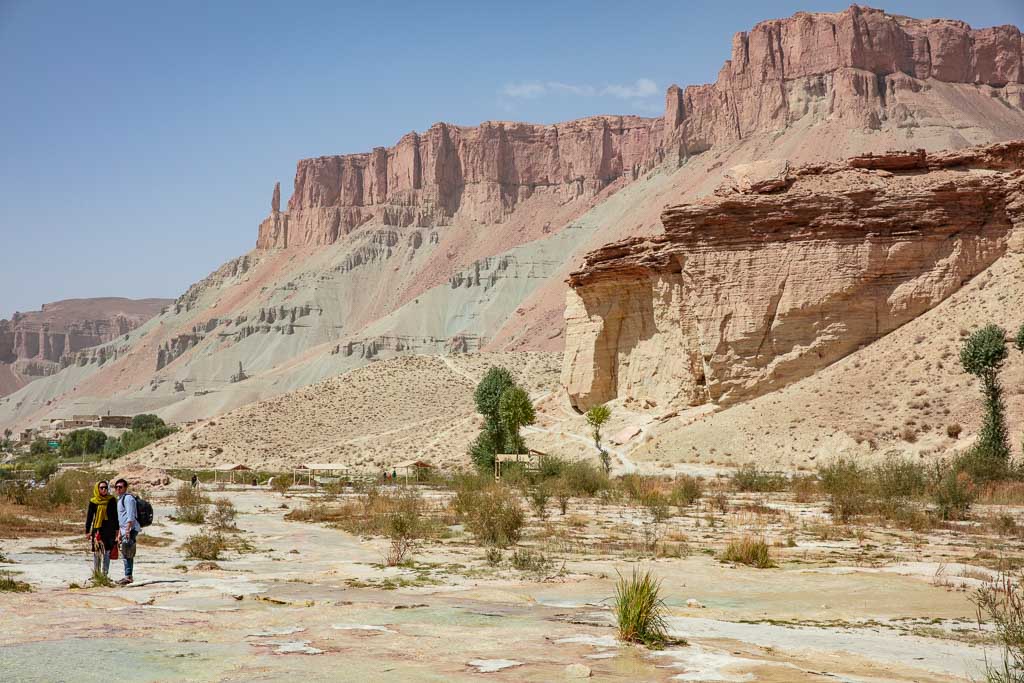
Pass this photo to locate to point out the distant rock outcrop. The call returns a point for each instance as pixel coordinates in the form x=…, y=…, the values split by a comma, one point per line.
x=748, y=291
x=40, y=343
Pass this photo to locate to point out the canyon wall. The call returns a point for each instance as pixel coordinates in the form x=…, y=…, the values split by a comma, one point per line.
x=479, y=173
x=857, y=67
x=784, y=271
x=39, y=343
x=851, y=66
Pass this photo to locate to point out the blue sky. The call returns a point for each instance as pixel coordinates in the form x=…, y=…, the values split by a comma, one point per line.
x=140, y=141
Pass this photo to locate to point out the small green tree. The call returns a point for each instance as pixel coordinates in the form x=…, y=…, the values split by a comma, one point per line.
x=82, y=442
x=147, y=422
x=597, y=416
x=983, y=355
x=515, y=410
x=39, y=446
x=492, y=437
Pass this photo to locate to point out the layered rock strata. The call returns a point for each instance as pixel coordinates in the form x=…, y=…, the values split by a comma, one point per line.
x=852, y=66
x=39, y=343
x=749, y=290
x=860, y=67
x=480, y=173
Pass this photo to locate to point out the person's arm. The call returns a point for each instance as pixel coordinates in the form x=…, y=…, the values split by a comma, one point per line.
x=88, y=517
x=130, y=513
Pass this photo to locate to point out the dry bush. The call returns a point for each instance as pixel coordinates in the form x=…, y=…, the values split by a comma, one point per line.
x=9, y=583
x=281, y=483
x=1002, y=602
x=316, y=512
x=686, y=491
x=751, y=479
x=532, y=561
x=494, y=516
x=204, y=546
x=1002, y=493
x=223, y=514
x=805, y=488
x=749, y=551
x=539, y=496
x=190, y=505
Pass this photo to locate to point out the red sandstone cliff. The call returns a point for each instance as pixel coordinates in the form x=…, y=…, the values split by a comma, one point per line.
x=783, y=272
x=479, y=173
x=36, y=342
x=858, y=59
x=849, y=66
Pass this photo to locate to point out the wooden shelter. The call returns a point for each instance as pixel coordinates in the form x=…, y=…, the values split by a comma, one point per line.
x=320, y=472
x=531, y=461
x=231, y=469
x=413, y=467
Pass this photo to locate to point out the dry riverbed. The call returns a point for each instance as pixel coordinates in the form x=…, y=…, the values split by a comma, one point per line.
x=299, y=600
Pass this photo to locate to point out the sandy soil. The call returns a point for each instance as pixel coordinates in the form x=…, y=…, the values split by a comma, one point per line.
x=370, y=418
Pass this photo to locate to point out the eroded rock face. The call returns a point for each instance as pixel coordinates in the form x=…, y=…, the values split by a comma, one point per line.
x=39, y=343
x=855, y=67
x=852, y=65
x=746, y=292
x=480, y=173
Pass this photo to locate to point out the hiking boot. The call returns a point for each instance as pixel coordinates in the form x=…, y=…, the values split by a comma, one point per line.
x=125, y=581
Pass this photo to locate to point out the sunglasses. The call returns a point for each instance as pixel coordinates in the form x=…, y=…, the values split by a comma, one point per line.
x=119, y=486
x=103, y=488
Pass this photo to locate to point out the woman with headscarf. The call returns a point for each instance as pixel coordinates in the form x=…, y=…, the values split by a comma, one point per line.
x=101, y=525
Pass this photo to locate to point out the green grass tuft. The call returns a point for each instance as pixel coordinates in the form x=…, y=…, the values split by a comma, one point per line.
x=639, y=610
x=750, y=551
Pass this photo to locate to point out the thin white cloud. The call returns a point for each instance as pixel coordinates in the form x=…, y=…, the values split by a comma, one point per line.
x=529, y=90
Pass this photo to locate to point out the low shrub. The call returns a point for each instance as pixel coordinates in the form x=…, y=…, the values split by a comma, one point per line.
x=9, y=583
x=1002, y=603
x=281, y=483
x=493, y=556
x=204, y=546
x=953, y=494
x=640, y=610
x=751, y=479
x=223, y=514
x=749, y=551
x=190, y=505
x=584, y=479
x=562, y=494
x=657, y=506
x=686, y=491
x=101, y=580
x=495, y=516
x=846, y=484
x=539, y=496
x=531, y=561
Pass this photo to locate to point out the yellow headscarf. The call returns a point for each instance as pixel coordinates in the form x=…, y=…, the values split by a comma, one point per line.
x=101, y=505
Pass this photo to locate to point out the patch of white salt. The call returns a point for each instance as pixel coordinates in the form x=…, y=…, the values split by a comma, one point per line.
x=361, y=627
x=702, y=664
x=489, y=666
x=587, y=639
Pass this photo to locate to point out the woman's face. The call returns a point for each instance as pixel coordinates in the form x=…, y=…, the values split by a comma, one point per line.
x=103, y=487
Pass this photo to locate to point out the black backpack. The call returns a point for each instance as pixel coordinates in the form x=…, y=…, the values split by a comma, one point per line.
x=143, y=511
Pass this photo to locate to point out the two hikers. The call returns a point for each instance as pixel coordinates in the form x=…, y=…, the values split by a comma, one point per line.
x=113, y=521
x=101, y=525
